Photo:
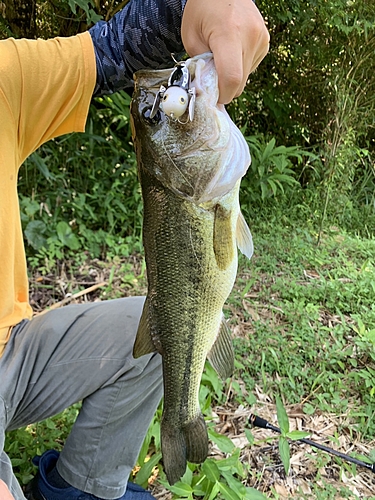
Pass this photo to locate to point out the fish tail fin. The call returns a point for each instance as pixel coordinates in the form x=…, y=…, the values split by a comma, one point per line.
x=179, y=444
x=173, y=447
x=196, y=438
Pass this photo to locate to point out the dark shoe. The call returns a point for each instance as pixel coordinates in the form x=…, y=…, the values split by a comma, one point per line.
x=40, y=489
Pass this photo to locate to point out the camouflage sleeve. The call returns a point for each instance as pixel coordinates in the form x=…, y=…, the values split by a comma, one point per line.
x=143, y=34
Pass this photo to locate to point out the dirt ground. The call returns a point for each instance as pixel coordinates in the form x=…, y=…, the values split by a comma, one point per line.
x=268, y=474
x=95, y=280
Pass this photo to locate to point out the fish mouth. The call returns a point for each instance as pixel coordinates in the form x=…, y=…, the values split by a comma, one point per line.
x=206, y=156
x=153, y=80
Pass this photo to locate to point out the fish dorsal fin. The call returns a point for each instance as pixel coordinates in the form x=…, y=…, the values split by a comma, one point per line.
x=223, y=237
x=143, y=343
x=221, y=355
x=243, y=236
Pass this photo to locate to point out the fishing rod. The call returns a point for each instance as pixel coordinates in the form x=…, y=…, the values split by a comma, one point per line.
x=256, y=421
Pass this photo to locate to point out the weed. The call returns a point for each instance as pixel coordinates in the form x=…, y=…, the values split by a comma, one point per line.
x=271, y=171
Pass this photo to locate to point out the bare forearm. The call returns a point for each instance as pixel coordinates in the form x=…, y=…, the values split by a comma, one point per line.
x=4, y=492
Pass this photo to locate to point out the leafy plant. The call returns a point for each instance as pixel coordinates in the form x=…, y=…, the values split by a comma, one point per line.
x=219, y=479
x=364, y=369
x=286, y=435
x=81, y=191
x=304, y=329
x=88, y=8
x=23, y=444
x=271, y=173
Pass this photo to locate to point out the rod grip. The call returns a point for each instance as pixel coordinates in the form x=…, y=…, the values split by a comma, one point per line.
x=256, y=421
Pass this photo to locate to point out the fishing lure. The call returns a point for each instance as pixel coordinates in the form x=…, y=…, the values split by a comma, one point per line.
x=178, y=96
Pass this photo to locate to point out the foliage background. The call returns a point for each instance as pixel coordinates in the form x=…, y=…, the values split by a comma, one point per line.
x=308, y=116
x=308, y=113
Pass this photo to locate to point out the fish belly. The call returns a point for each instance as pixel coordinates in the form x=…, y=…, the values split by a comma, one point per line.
x=186, y=292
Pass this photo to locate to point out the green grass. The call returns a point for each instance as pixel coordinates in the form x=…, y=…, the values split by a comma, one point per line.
x=304, y=319
x=312, y=318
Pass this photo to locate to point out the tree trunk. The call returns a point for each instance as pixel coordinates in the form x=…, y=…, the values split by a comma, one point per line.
x=20, y=16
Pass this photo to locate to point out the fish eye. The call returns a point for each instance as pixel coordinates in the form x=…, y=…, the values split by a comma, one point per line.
x=151, y=121
x=182, y=100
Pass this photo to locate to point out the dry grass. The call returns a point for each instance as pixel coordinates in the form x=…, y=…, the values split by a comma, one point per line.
x=307, y=471
x=95, y=280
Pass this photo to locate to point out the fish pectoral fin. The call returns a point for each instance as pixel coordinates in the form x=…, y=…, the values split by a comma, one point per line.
x=221, y=355
x=223, y=237
x=143, y=342
x=243, y=236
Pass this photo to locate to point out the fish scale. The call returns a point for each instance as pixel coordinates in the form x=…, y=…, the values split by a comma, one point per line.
x=191, y=262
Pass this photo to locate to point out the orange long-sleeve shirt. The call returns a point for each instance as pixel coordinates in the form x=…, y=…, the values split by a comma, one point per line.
x=45, y=91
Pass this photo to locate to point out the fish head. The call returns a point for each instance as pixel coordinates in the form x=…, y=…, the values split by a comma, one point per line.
x=200, y=159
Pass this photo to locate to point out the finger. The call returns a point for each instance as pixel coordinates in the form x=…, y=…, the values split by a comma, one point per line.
x=250, y=64
x=250, y=61
x=229, y=66
x=259, y=49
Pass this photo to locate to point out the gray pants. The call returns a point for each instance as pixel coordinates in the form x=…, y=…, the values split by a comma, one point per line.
x=82, y=352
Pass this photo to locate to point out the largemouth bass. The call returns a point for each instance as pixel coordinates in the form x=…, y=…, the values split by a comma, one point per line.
x=190, y=174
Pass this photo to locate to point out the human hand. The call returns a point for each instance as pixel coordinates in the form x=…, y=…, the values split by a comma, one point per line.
x=4, y=492
x=234, y=31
